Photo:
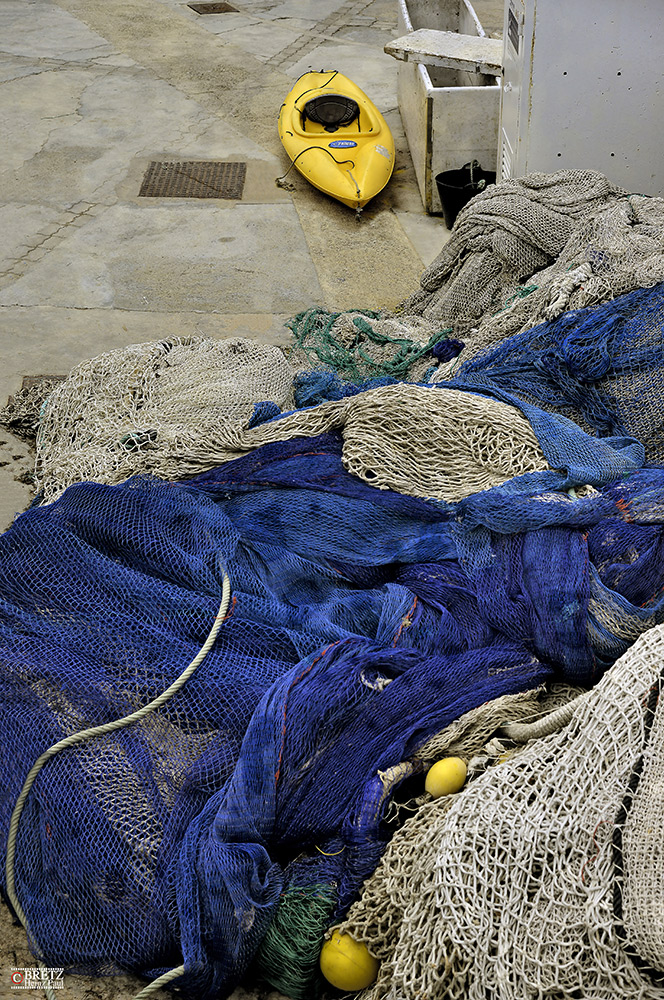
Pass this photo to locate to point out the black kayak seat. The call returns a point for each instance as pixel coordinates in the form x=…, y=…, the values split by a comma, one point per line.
x=332, y=111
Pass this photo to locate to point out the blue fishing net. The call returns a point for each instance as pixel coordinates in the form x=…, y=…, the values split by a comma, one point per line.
x=602, y=367
x=314, y=387
x=362, y=623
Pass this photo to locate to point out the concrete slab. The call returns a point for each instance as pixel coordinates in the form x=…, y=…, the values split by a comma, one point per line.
x=264, y=39
x=383, y=11
x=224, y=78
x=428, y=235
x=14, y=67
x=364, y=34
x=29, y=108
x=24, y=227
x=54, y=34
x=88, y=135
x=169, y=257
x=314, y=11
x=228, y=22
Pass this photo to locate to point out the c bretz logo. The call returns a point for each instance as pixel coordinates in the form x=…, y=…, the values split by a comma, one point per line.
x=32, y=978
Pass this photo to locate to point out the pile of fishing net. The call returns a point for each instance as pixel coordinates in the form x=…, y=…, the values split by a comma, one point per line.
x=526, y=250
x=423, y=542
x=153, y=409
x=364, y=622
x=504, y=415
x=521, y=252
x=177, y=837
x=159, y=408
x=404, y=437
x=544, y=876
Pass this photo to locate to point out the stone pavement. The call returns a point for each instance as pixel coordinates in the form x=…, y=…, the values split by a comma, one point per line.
x=91, y=91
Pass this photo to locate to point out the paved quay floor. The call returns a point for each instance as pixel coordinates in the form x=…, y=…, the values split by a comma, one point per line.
x=92, y=91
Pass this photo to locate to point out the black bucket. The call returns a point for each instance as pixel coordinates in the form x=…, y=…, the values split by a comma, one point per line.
x=457, y=187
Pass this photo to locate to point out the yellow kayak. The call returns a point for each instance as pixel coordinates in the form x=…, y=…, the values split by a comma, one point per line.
x=337, y=138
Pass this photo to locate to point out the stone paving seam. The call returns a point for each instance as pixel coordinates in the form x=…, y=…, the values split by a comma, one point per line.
x=37, y=250
x=325, y=31
x=304, y=43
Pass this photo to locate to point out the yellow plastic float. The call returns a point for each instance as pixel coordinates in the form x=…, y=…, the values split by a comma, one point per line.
x=347, y=963
x=446, y=777
x=337, y=138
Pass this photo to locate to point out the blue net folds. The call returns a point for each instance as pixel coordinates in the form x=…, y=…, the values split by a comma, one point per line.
x=602, y=367
x=362, y=622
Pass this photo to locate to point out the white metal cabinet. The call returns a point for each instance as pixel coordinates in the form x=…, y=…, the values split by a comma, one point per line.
x=583, y=87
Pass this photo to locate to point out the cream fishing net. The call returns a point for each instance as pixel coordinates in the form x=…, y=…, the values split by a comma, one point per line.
x=175, y=409
x=505, y=234
x=612, y=253
x=543, y=877
x=423, y=442
x=151, y=408
x=526, y=250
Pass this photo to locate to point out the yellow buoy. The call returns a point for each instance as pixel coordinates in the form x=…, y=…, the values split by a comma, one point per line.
x=347, y=963
x=446, y=776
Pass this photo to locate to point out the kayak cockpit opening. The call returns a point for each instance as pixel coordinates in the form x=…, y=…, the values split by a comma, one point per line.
x=332, y=111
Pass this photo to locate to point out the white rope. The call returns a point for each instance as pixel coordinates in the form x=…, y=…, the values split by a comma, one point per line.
x=156, y=984
x=86, y=734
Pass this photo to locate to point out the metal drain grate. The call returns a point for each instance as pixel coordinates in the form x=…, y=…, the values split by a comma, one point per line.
x=194, y=179
x=212, y=8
